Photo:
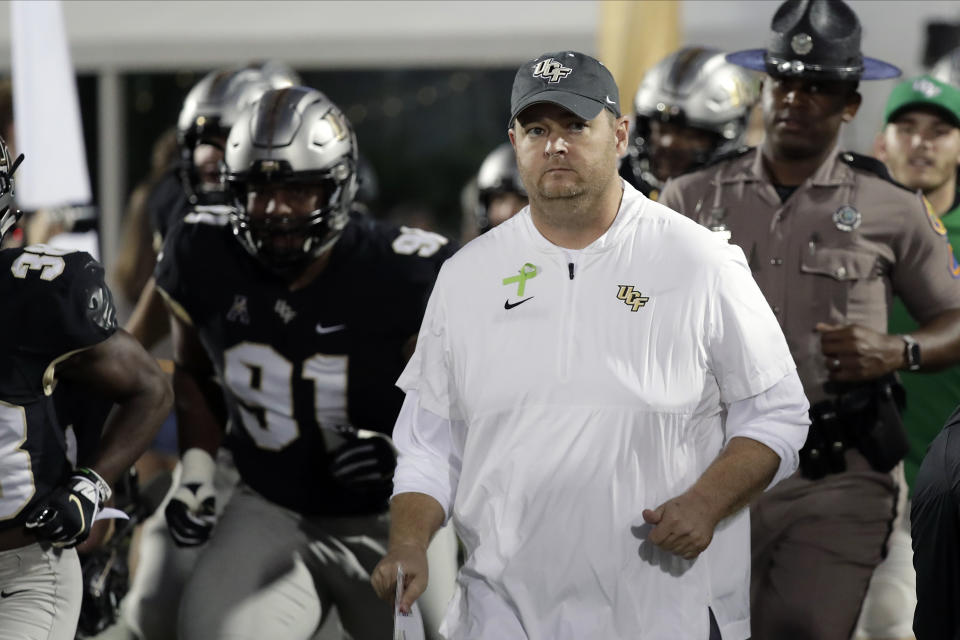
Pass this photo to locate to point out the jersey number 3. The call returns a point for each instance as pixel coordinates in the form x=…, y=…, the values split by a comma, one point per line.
x=40, y=257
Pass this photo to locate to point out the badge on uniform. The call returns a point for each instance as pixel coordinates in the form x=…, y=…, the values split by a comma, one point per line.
x=847, y=218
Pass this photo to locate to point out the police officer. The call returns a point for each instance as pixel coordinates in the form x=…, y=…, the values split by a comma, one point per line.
x=690, y=107
x=828, y=236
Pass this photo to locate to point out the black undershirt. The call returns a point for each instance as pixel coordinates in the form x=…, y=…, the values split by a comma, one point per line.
x=784, y=191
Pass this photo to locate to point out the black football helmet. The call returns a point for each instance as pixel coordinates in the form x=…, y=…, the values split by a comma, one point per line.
x=292, y=136
x=497, y=174
x=694, y=87
x=9, y=214
x=211, y=107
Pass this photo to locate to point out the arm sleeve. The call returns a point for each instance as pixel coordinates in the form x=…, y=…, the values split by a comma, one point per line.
x=778, y=418
x=429, y=371
x=430, y=452
x=747, y=352
x=926, y=275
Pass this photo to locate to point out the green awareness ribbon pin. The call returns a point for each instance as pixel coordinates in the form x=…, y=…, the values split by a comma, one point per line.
x=526, y=272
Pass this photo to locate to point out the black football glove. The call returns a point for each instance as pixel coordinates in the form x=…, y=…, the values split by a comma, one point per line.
x=365, y=464
x=191, y=511
x=66, y=515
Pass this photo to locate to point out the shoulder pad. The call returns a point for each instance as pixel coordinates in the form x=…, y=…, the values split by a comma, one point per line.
x=723, y=157
x=871, y=165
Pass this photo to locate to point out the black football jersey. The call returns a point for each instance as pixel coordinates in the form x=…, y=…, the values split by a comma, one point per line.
x=53, y=303
x=300, y=368
x=166, y=203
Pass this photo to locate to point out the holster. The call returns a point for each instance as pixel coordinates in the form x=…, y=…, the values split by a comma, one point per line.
x=862, y=415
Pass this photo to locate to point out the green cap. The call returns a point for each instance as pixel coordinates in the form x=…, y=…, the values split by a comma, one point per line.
x=924, y=91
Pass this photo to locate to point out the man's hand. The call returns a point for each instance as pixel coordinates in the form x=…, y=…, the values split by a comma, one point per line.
x=683, y=526
x=413, y=559
x=854, y=352
x=66, y=515
x=191, y=512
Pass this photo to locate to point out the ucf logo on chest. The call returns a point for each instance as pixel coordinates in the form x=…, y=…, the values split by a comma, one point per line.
x=632, y=298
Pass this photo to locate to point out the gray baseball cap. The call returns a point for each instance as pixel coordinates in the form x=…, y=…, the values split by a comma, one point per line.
x=573, y=80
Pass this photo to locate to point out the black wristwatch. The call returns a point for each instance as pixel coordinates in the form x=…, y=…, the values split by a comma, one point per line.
x=911, y=352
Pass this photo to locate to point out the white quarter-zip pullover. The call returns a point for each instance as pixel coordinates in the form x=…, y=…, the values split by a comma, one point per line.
x=553, y=404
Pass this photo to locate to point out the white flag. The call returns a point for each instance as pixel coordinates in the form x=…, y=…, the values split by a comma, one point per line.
x=46, y=110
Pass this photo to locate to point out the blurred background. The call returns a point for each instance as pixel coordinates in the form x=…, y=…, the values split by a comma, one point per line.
x=425, y=83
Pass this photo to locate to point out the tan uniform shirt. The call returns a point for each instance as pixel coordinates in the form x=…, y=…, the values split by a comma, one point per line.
x=836, y=251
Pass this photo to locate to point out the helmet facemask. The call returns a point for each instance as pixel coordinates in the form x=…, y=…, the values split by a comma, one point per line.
x=9, y=214
x=200, y=191
x=286, y=242
x=498, y=175
x=292, y=138
x=661, y=162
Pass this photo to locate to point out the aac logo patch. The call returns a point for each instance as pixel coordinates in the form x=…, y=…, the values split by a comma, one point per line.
x=632, y=298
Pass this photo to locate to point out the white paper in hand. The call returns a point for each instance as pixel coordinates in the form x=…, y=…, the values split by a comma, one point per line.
x=406, y=626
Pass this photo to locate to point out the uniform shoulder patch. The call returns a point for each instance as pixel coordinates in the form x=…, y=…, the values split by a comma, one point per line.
x=870, y=165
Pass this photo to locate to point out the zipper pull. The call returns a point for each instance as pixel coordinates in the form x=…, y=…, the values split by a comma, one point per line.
x=570, y=269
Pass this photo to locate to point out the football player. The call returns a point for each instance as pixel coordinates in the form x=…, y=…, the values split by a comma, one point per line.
x=499, y=194
x=59, y=324
x=690, y=108
x=305, y=313
x=209, y=110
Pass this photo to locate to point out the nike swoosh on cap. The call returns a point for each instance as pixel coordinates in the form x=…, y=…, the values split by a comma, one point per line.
x=331, y=329
x=609, y=101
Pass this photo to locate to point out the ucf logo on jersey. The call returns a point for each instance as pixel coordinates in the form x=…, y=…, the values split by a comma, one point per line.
x=551, y=70
x=632, y=298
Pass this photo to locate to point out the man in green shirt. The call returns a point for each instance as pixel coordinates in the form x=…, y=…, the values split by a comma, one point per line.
x=920, y=144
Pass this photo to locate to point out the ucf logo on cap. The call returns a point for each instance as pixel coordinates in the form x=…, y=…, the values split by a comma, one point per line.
x=551, y=70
